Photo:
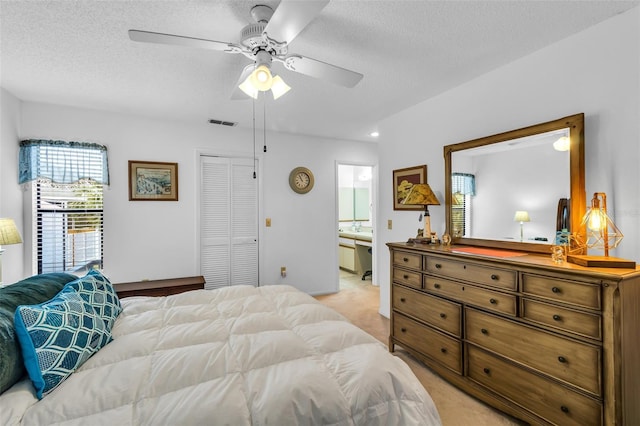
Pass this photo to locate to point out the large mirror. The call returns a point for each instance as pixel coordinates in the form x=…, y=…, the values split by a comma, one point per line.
x=515, y=189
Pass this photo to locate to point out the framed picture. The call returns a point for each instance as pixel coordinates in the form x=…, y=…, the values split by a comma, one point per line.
x=403, y=180
x=153, y=181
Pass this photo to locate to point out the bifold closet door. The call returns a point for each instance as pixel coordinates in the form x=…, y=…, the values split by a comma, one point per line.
x=228, y=222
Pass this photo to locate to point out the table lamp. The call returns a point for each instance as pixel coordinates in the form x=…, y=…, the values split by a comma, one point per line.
x=8, y=235
x=601, y=233
x=421, y=195
x=522, y=217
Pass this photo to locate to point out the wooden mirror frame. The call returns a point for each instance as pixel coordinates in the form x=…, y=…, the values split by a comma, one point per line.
x=578, y=200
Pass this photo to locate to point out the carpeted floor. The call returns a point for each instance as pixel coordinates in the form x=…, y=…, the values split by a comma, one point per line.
x=359, y=301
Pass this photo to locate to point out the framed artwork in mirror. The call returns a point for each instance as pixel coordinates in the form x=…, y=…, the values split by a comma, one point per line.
x=403, y=181
x=153, y=181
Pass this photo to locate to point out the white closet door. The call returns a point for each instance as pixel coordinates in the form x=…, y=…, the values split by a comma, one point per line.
x=228, y=222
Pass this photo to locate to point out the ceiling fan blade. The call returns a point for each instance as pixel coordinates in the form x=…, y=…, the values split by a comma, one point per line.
x=151, y=37
x=290, y=18
x=322, y=70
x=238, y=94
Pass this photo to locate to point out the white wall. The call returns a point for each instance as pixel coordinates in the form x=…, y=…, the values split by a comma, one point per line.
x=596, y=72
x=10, y=193
x=154, y=240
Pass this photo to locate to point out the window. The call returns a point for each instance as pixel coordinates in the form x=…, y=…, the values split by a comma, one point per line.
x=68, y=226
x=67, y=181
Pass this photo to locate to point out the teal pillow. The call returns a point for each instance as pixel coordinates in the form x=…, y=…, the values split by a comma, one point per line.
x=30, y=291
x=96, y=289
x=57, y=337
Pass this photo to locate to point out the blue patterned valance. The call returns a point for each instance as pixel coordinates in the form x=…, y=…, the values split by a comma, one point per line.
x=463, y=183
x=63, y=162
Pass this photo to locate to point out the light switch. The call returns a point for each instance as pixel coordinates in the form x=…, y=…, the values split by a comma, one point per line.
x=389, y=224
x=268, y=220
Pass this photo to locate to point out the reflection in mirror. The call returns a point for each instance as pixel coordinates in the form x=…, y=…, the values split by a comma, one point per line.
x=354, y=195
x=492, y=182
x=529, y=171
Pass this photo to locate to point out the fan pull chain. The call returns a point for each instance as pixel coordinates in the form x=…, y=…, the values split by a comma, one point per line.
x=253, y=105
x=264, y=122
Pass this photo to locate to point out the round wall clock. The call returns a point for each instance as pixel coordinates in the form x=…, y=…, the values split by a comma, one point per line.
x=301, y=180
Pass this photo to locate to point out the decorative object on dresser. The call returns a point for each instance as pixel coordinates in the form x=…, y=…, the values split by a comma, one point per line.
x=153, y=181
x=403, y=181
x=9, y=234
x=422, y=195
x=159, y=287
x=547, y=343
x=601, y=233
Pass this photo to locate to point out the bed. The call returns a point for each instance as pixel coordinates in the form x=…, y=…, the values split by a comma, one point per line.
x=235, y=356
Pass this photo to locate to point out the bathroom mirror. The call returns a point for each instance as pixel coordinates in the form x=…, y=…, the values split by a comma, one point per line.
x=491, y=182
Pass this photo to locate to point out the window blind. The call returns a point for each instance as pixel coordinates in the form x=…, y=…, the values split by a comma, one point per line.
x=69, y=226
x=67, y=181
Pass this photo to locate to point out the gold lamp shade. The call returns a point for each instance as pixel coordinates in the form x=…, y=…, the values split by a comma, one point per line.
x=421, y=194
x=9, y=232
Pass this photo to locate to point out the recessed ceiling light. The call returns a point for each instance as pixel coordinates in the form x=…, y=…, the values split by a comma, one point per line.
x=374, y=134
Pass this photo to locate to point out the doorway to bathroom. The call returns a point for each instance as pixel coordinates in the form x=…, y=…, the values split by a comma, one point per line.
x=355, y=224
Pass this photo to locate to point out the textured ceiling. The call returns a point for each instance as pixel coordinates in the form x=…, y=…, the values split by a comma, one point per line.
x=78, y=53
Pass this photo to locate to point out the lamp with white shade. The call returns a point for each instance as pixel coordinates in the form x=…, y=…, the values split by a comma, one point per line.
x=522, y=217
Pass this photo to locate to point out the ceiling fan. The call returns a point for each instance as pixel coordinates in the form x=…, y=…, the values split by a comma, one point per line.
x=264, y=42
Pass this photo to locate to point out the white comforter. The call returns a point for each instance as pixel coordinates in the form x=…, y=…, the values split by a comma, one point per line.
x=235, y=356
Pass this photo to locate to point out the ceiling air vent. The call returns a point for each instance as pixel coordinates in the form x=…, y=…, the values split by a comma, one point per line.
x=223, y=123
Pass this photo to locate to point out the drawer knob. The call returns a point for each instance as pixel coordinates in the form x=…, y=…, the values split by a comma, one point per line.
x=404, y=330
x=405, y=259
x=443, y=315
x=402, y=299
x=436, y=285
x=555, y=290
x=494, y=277
x=493, y=301
x=405, y=276
x=562, y=359
x=564, y=408
x=486, y=370
x=443, y=350
x=557, y=317
x=438, y=266
x=484, y=331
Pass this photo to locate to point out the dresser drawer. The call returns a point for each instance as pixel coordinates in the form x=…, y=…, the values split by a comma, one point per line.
x=565, y=291
x=437, y=312
x=546, y=398
x=437, y=346
x=407, y=260
x=479, y=274
x=574, y=362
x=410, y=278
x=582, y=323
x=488, y=299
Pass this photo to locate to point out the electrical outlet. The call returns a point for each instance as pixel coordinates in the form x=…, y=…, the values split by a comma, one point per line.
x=268, y=222
x=283, y=271
x=389, y=224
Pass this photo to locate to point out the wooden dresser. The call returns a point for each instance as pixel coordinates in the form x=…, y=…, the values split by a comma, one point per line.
x=157, y=288
x=546, y=343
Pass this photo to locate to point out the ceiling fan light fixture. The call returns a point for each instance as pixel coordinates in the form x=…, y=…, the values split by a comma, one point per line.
x=247, y=87
x=279, y=87
x=261, y=78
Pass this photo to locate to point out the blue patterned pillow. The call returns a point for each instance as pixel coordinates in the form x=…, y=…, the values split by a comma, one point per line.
x=96, y=289
x=57, y=337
